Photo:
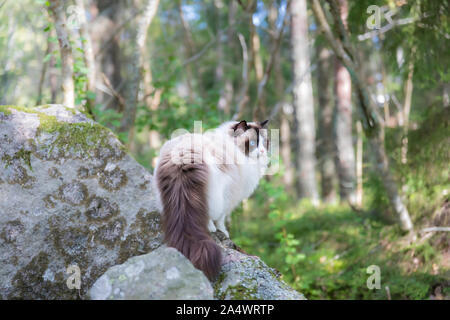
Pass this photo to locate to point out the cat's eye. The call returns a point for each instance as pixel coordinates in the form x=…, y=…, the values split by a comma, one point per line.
x=252, y=143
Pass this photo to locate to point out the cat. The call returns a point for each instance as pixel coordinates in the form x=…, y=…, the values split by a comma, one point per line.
x=201, y=178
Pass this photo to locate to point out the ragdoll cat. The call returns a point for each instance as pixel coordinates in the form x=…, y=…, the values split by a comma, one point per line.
x=201, y=178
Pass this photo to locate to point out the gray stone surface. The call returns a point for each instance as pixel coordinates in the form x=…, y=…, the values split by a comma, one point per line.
x=246, y=277
x=71, y=196
x=162, y=274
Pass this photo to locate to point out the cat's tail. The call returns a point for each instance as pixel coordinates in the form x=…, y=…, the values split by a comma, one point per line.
x=185, y=216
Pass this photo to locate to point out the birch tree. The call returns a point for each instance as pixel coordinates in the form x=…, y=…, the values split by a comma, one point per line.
x=303, y=102
x=345, y=153
x=371, y=124
x=88, y=52
x=325, y=109
x=136, y=72
x=68, y=87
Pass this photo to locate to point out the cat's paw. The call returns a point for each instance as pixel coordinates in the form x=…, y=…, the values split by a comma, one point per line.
x=224, y=231
x=211, y=226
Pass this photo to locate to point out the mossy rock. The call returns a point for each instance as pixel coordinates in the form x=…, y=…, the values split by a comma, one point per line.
x=74, y=198
x=54, y=217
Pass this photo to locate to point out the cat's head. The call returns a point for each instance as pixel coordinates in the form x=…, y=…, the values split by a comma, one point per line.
x=251, y=137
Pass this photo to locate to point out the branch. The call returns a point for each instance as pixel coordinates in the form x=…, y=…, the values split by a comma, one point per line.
x=341, y=26
x=434, y=229
x=199, y=54
x=347, y=61
x=273, y=54
x=2, y=4
x=113, y=92
x=243, y=94
x=116, y=31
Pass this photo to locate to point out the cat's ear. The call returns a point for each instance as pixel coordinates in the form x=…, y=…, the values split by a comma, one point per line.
x=263, y=123
x=239, y=128
x=241, y=125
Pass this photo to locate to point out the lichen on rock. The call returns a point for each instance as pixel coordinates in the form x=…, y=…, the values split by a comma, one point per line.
x=52, y=214
x=162, y=274
x=245, y=277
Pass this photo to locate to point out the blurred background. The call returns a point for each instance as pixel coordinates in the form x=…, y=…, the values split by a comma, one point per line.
x=364, y=155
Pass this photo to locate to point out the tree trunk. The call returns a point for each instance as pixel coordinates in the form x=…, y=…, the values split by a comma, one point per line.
x=359, y=164
x=127, y=124
x=152, y=100
x=68, y=87
x=325, y=143
x=222, y=79
x=345, y=153
x=285, y=126
x=256, y=59
x=228, y=93
x=303, y=102
x=188, y=49
x=407, y=108
x=43, y=73
x=286, y=152
x=371, y=123
x=88, y=54
x=107, y=16
x=52, y=72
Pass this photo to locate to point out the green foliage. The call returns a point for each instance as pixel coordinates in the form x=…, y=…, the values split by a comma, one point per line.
x=324, y=252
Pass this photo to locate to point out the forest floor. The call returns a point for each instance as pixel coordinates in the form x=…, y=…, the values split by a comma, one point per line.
x=324, y=252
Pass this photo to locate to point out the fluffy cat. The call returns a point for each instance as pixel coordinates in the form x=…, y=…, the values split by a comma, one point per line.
x=201, y=178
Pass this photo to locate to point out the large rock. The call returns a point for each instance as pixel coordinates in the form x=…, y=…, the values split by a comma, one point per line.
x=246, y=277
x=162, y=274
x=70, y=197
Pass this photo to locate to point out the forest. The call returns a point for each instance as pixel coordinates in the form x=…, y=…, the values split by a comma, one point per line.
x=357, y=94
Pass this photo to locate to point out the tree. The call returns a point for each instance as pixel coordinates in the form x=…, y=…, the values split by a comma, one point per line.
x=136, y=74
x=303, y=102
x=371, y=124
x=88, y=52
x=68, y=86
x=345, y=153
x=325, y=145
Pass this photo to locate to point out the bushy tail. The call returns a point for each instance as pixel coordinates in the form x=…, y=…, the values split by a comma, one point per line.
x=185, y=213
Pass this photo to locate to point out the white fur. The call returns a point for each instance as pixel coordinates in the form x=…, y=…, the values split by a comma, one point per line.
x=227, y=188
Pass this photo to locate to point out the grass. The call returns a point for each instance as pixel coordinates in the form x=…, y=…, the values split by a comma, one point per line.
x=325, y=252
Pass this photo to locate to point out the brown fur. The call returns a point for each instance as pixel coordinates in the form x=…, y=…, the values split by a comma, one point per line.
x=185, y=212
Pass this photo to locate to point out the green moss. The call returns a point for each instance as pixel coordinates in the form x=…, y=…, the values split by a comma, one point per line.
x=22, y=154
x=82, y=138
x=113, y=180
x=7, y=109
x=145, y=235
x=29, y=282
x=219, y=282
x=239, y=292
x=236, y=292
